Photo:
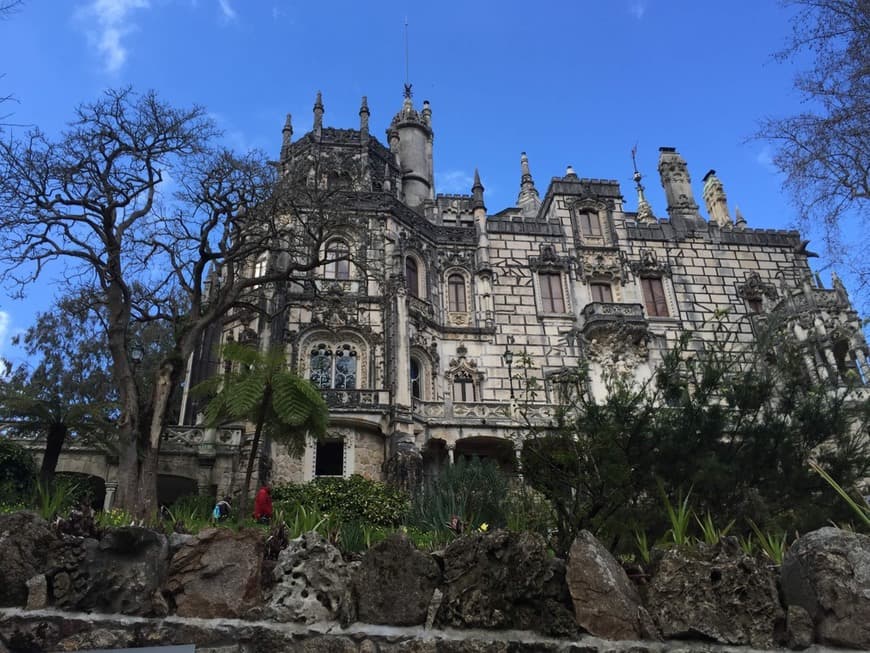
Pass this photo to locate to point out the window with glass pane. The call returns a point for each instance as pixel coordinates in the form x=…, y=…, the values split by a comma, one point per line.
x=552, y=300
x=590, y=224
x=601, y=292
x=345, y=368
x=415, y=379
x=337, y=253
x=320, y=366
x=456, y=292
x=654, y=297
x=412, y=280
x=463, y=388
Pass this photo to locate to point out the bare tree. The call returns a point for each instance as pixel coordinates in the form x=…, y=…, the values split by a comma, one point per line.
x=93, y=200
x=824, y=151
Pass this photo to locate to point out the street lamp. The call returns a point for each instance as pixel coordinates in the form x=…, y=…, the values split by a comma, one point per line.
x=508, y=358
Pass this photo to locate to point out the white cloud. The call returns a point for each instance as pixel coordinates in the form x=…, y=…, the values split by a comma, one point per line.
x=765, y=159
x=454, y=181
x=113, y=23
x=227, y=10
x=637, y=8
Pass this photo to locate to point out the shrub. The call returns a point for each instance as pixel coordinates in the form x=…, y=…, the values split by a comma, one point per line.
x=17, y=472
x=347, y=499
x=462, y=497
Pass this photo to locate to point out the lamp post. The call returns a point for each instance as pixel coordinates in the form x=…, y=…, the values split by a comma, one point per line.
x=508, y=358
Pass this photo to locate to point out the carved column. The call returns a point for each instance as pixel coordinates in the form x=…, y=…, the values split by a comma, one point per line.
x=109, y=500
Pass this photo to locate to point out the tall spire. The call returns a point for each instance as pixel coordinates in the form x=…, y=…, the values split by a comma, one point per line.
x=644, y=210
x=318, y=113
x=528, y=199
x=364, y=116
x=477, y=193
x=286, y=135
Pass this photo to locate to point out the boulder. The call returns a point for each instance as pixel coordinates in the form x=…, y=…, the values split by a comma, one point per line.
x=827, y=573
x=37, y=593
x=606, y=602
x=798, y=628
x=122, y=572
x=25, y=542
x=394, y=583
x=312, y=582
x=504, y=580
x=216, y=573
x=718, y=593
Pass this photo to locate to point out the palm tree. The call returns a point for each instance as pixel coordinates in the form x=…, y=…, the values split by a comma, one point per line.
x=259, y=388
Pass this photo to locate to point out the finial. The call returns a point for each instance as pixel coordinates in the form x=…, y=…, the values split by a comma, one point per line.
x=426, y=113
x=364, y=115
x=286, y=135
x=477, y=192
x=569, y=172
x=318, y=112
x=407, y=93
x=644, y=210
x=739, y=220
x=528, y=198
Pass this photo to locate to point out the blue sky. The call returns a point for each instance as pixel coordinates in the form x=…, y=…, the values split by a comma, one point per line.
x=571, y=83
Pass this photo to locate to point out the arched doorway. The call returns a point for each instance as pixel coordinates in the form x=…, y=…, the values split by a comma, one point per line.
x=171, y=488
x=484, y=448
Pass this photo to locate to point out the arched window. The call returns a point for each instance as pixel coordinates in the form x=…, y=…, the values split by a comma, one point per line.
x=328, y=369
x=416, y=385
x=338, y=263
x=463, y=387
x=456, y=293
x=412, y=277
x=590, y=224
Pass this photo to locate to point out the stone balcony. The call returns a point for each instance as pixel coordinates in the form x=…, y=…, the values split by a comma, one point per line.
x=491, y=412
x=599, y=318
x=356, y=399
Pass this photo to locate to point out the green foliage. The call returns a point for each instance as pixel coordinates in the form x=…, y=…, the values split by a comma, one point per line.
x=54, y=499
x=351, y=499
x=772, y=546
x=472, y=492
x=17, y=471
x=679, y=517
x=710, y=532
x=863, y=511
x=114, y=518
x=642, y=542
x=737, y=423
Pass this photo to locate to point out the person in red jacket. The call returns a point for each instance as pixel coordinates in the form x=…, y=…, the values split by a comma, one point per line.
x=263, y=505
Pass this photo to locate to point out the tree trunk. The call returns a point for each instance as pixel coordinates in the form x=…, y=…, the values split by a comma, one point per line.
x=54, y=443
x=255, y=445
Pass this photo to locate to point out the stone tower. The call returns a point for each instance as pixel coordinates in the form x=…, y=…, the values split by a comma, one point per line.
x=410, y=136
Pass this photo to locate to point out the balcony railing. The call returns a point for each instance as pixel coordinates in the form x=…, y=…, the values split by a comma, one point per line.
x=605, y=316
x=474, y=412
x=356, y=399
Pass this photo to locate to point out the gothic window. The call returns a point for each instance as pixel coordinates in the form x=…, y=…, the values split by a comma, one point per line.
x=416, y=385
x=329, y=458
x=552, y=300
x=463, y=387
x=260, y=266
x=412, y=277
x=456, y=294
x=601, y=292
x=333, y=369
x=338, y=266
x=654, y=297
x=590, y=224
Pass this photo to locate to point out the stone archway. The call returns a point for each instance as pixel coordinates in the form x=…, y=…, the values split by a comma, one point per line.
x=170, y=488
x=485, y=448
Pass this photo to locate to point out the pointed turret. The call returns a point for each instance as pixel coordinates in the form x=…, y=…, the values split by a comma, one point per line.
x=410, y=136
x=528, y=200
x=318, y=114
x=717, y=203
x=682, y=207
x=477, y=193
x=739, y=220
x=364, y=117
x=286, y=136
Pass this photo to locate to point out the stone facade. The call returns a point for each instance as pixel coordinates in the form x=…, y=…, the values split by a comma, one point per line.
x=409, y=339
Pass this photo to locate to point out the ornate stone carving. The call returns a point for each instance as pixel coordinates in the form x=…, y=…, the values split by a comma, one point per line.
x=753, y=288
x=601, y=263
x=648, y=264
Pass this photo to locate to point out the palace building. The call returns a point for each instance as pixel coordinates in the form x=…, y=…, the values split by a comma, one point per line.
x=421, y=339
